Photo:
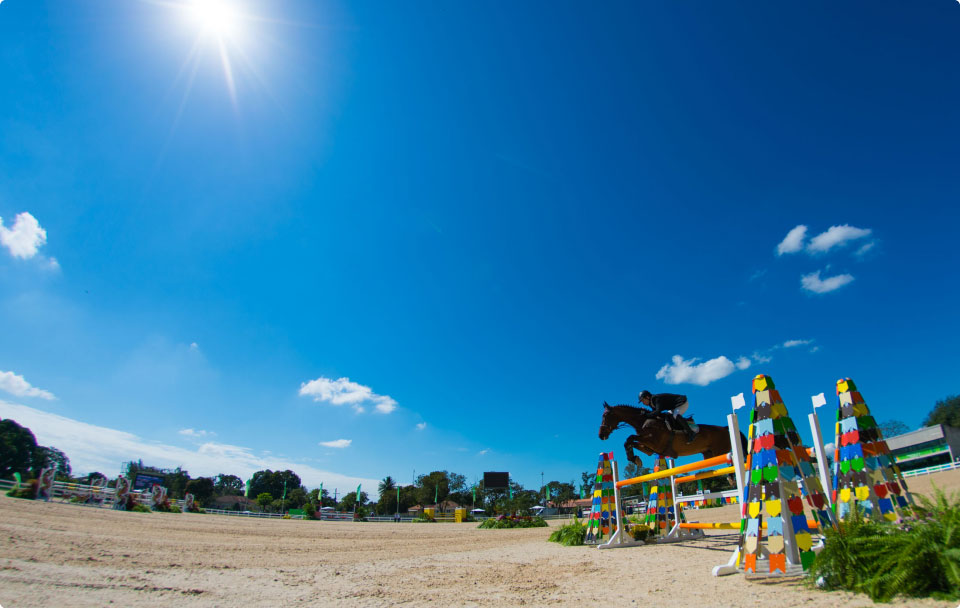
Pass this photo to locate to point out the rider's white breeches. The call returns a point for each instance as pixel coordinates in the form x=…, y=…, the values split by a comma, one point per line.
x=680, y=411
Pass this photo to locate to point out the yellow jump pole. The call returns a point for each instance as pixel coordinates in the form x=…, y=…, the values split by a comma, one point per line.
x=707, y=474
x=685, y=468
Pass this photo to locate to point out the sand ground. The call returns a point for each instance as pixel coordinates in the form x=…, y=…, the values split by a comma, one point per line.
x=64, y=555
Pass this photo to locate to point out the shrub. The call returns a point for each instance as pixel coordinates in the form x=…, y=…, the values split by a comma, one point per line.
x=140, y=509
x=27, y=493
x=918, y=558
x=513, y=521
x=569, y=535
x=639, y=532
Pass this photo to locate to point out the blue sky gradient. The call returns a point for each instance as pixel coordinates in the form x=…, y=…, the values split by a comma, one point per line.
x=489, y=218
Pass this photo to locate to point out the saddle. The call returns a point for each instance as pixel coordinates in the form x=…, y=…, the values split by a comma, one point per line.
x=671, y=423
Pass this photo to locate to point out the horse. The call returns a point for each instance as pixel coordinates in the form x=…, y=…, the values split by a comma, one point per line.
x=655, y=437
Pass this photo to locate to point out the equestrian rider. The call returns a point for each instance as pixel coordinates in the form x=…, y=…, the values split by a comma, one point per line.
x=666, y=402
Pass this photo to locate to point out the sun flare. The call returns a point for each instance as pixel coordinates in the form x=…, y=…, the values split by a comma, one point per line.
x=216, y=17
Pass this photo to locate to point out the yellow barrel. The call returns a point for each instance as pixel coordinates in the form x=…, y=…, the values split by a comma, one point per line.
x=460, y=515
x=429, y=513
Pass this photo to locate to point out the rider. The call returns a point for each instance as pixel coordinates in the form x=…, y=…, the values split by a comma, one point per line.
x=665, y=402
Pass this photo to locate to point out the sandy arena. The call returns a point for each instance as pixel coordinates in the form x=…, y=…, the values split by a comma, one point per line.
x=64, y=555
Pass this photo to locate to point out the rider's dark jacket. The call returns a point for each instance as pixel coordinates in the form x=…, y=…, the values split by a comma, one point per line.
x=666, y=401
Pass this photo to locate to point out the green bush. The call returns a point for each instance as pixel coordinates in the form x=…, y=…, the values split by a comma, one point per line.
x=27, y=493
x=569, y=535
x=512, y=521
x=919, y=558
x=140, y=509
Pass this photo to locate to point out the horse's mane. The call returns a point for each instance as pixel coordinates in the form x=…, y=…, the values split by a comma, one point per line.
x=631, y=411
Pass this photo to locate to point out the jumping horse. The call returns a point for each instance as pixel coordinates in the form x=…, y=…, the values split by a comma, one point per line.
x=654, y=436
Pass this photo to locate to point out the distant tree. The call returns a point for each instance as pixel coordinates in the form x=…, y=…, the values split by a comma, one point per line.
x=587, y=481
x=324, y=500
x=52, y=457
x=349, y=499
x=18, y=447
x=408, y=497
x=228, y=485
x=892, y=428
x=388, y=496
x=273, y=482
x=561, y=493
x=264, y=499
x=458, y=489
x=296, y=498
x=945, y=411
x=433, y=488
x=522, y=501
x=89, y=479
x=201, y=488
x=176, y=482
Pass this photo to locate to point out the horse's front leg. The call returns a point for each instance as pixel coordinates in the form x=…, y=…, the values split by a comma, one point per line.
x=628, y=445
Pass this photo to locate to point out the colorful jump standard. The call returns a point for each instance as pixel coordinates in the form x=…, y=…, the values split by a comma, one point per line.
x=864, y=472
x=776, y=459
x=603, y=513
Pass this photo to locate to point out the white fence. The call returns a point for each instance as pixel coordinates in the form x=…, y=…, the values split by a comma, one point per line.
x=934, y=469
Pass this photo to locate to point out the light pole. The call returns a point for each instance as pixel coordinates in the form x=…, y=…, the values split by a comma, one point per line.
x=542, y=491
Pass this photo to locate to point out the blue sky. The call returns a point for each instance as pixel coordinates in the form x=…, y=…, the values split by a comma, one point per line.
x=437, y=236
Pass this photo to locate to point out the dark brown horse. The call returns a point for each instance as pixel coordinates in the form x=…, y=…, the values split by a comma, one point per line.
x=655, y=437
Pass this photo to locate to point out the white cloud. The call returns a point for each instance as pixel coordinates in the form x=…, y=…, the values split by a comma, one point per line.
x=688, y=371
x=337, y=443
x=793, y=242
x=483, y=452
x=421, y=426
x=24, y=238
x=196, y=433
x=96, y=448
x=194, y=346
x=342, y=391
x=812, y=282
x=761, y=358
x=836, y=236
x=792, y=343
x=18, y=386
x=864, y=249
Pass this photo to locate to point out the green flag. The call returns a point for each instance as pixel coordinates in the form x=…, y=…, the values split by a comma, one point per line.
x=510, y=490
x=474, y=493
x=358, y=493
x=17, y=477
x=398, y=499
x=248, y=488
x=436, y=493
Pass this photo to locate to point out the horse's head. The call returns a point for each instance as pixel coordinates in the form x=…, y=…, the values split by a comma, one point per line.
x=609, y=422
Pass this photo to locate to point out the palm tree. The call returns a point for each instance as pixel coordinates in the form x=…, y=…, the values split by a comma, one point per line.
x=386, y=489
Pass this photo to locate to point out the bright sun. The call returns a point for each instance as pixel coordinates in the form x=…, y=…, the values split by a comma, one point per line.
x=216, y=17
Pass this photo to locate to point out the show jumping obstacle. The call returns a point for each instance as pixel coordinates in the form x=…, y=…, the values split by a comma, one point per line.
x=766, y=474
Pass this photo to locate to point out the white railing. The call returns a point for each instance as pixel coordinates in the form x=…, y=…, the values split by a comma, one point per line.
x=934, y=469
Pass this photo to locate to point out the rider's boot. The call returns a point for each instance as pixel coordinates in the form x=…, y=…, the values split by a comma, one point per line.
x=684, y=424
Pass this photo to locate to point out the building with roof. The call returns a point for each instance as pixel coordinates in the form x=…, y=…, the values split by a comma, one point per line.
x=926, y=447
